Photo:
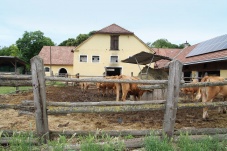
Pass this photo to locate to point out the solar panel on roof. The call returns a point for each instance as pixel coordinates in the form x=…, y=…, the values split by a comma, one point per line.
x=212, y=45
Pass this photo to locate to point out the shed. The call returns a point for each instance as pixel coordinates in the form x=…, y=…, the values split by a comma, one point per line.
x=12, y=65
x=144, y=58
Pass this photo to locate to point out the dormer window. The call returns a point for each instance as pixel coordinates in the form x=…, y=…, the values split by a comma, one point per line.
x=114, y=42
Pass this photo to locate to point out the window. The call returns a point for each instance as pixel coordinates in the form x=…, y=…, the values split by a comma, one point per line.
x=83, y=58
x=47, y=69
x=114, y=59
x=95, y=58
x=114, y=42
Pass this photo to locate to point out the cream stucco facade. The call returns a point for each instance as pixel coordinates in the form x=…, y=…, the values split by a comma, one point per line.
x=56, y=69
x=223, y=73
x=95, y=58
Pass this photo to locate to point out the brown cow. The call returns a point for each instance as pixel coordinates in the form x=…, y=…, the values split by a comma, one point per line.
x=128, y=88
x=84, y=86
x=106, y=86
x=209, y=93
x=192, y=91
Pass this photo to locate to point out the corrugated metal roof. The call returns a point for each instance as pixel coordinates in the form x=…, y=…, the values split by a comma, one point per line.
x=144, y=58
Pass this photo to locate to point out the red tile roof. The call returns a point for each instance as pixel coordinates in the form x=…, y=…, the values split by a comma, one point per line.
x=60, y=55
x=171, y=53
x=114, y=29
x=208, y=57
x=180, y=54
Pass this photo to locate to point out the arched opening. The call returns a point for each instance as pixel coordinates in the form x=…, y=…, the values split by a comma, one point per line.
x=62, y=72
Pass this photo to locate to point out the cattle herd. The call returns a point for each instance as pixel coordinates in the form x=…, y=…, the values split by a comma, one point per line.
x=208, y=93
x=205, y=94
x=124, y=89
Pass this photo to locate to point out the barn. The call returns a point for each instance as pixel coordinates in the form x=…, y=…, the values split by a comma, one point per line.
x=208, y=57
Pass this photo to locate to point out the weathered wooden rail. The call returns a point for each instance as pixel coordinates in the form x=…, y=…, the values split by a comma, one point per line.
x=37, y=81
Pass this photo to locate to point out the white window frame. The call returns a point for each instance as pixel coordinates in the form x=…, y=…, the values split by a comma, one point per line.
x=111, y=58
x=96, y=59
x=80, y=60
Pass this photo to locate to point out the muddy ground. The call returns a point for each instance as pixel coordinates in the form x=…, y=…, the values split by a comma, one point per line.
x=186, y=118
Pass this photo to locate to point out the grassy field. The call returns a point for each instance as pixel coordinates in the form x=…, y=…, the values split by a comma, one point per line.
x=24, y=142
x=8, y=90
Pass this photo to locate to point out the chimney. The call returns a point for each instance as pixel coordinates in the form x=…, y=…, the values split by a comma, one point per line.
x=186, y=44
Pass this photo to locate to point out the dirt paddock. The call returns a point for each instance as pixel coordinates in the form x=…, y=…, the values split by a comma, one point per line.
x=186, y=118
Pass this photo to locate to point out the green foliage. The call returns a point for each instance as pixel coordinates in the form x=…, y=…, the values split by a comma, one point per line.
x=154, y=143
x=206, y=144
x=59, y=144
x=106, y=143
x=79, y=39
x=21, y=142
x=7, y=90
x=69, y=42
x=31, y=43
x=4, y=51
x=56, y=83
x=24, y=141
x=10, y=51
x=14, y=51
x=164, y=43
x=129, y=137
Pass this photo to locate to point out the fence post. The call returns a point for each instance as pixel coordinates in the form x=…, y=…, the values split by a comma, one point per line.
x=39, y=91
x=174, y=79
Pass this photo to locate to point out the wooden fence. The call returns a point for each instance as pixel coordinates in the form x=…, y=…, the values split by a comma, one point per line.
x=170, y=105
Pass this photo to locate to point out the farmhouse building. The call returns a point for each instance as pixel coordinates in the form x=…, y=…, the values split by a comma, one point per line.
x=99, y=55
x=102, y=53
x=57, y=60
x=208, y=57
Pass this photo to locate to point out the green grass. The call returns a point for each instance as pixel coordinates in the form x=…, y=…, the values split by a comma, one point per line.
x=92, y=143
x=23, y=142
x=56, y=83
x=154, y=143
x=7, y=90
x=206, y=144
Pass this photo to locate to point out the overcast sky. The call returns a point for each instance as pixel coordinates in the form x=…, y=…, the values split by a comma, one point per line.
x=174, y=20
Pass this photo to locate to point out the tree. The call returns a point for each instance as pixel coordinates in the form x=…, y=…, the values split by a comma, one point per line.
x=164, y=43
x=4, y=51
x=79, y=39
x=161, y=43
x=69, y=42
x=10, y=51
x=31, y=43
